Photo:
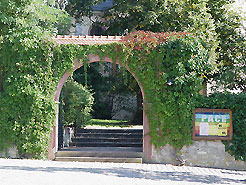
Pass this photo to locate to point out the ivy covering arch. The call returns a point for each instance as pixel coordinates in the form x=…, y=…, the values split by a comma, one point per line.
x=169, y=66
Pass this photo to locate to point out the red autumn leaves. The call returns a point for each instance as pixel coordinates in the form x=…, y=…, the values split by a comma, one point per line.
x=146, y=40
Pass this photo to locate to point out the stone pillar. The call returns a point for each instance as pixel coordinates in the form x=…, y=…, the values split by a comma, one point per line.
x=147, y=146
x=54, y=137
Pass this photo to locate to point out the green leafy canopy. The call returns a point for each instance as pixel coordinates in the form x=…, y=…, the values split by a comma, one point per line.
x=215, y=21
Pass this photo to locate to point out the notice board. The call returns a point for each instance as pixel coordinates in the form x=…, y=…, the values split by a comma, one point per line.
x=212, y=124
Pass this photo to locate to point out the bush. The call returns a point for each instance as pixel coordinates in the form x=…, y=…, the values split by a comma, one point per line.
x=236, y=102
x=78, y=102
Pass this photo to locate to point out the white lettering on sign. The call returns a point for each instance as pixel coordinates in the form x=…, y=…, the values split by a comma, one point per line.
x=210, y=118
x=217, y=118
x=204, y=116
x=224, y=118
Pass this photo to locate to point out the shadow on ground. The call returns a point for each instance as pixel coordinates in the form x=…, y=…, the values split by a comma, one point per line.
x=135, y=173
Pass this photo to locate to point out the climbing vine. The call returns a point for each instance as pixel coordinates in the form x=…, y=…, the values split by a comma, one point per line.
x=169, y=66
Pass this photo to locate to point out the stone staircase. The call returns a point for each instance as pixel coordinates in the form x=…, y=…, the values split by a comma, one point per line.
x=104, y=145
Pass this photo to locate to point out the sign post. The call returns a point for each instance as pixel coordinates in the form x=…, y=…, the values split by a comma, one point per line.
x=212, y=124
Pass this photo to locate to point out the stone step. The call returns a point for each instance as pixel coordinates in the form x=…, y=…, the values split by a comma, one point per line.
x=109, y=131
x=100, y=159
x=115, y=135
x=106, y=139
x=101, y=152
x=106, y=144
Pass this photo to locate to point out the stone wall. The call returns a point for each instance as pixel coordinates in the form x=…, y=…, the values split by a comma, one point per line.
x=10, y=153
x=200, y=153
x=124, y=107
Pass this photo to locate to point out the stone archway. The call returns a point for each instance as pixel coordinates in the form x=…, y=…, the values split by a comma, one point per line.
x=147, y=147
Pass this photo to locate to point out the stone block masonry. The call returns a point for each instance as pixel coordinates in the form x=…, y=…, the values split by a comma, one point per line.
x=10, y=153
x=200, y=153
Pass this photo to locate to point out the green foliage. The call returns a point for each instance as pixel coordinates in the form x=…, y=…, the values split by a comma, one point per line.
x=21, y=17
x=162, y=16
x=236, y=102
x=170, y=67
x=78, y=102
x=110, y=123
x=232, y=45
x=27, y=77
x=214, y=21
x=78, y=9
x=31, y=71
x=101, y=86
x=28, y=110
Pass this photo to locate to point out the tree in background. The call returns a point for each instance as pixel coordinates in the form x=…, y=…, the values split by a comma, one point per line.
x=213, y=20
x=78, y=9
x=231, y=50
x=26, y=21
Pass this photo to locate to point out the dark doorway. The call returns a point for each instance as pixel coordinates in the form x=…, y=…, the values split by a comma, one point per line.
x=96, y=30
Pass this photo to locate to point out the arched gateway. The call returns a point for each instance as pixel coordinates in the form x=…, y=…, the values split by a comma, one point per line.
x=87, y=40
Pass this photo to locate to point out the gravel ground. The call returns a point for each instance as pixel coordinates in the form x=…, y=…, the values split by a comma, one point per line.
x=34, y=172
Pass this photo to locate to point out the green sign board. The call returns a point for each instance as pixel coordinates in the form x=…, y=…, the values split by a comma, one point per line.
x=212, y=124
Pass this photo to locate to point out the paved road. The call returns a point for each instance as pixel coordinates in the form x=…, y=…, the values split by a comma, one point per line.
x=34, y=172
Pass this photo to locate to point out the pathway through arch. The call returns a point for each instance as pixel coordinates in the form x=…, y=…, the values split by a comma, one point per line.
x=101, y=144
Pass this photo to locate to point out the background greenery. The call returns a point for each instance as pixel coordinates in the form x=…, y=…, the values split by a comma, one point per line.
x=215, y=21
